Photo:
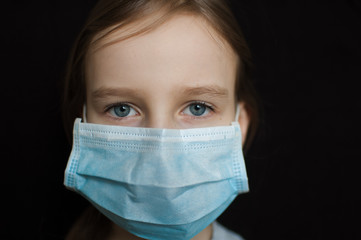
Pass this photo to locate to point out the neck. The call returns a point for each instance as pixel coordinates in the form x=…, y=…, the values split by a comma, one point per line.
x=119, y=233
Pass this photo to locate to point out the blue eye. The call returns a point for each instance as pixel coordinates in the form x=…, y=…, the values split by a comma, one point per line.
x=122, y=110
x=197, y=109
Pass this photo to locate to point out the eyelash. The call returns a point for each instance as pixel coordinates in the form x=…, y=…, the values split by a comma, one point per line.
x=210, y=106
x=117, y=104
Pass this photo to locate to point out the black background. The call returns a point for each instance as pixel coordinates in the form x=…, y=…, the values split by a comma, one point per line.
x=303, y=171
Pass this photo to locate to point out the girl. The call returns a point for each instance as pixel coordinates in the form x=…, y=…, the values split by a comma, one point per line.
x=157, y=84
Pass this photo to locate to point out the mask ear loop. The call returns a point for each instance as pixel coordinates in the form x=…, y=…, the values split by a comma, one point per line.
x=238, y=110
x=84, y=113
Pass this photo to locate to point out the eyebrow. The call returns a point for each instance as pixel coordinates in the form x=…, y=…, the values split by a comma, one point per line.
x=211, y=91
x=104, y=92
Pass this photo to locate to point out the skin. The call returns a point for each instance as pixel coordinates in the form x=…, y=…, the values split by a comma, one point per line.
x=160, y=77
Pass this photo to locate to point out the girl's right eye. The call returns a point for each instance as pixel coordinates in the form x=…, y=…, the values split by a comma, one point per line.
x=121, y=111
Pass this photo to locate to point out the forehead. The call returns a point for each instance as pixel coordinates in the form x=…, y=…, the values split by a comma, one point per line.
x=184, y=50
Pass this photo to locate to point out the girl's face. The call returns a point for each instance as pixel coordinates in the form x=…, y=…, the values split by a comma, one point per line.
x=180, y=75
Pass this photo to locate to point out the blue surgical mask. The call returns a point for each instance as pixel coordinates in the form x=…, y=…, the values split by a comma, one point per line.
x=157, y=183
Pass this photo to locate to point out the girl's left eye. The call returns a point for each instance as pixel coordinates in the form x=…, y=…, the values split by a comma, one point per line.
x=197, y=109
x=122, y=110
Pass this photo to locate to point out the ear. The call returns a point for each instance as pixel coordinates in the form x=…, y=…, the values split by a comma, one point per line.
x=243, y=120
